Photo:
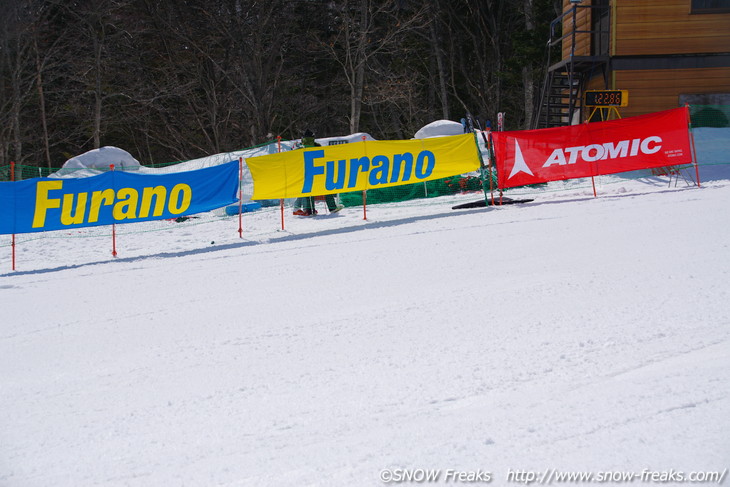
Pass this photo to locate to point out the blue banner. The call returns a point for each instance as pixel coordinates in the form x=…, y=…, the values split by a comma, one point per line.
x=44, y=204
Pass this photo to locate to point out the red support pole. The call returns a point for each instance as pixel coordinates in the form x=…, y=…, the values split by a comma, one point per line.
x=281, y=207
x=114, y=227
x=240, y=197
x=12, y=242
x=694, y=157
x=488, y=140
x=593, y=181
x=500, y=128
x=692, y=145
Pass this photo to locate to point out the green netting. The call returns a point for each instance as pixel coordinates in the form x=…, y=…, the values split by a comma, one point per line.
x=24, y=172
x=428, y=189
x=710, y=115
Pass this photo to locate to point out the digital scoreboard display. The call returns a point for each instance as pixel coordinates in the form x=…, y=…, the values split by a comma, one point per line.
x=606, y=98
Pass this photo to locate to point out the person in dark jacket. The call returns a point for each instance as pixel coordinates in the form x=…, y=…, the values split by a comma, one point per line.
x=305, y=205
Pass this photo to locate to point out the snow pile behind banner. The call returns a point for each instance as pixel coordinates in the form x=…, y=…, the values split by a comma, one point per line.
x=439, y=128
x=592, y=149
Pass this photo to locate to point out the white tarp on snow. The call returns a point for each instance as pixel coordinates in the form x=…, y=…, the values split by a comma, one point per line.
x=97, y=160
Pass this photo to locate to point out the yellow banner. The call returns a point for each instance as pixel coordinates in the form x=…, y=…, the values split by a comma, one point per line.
x=361, y=165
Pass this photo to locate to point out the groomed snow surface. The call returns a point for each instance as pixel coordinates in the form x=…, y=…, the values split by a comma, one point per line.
x=571, y=333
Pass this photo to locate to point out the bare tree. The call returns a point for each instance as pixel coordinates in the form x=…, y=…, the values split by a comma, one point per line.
x=436, y=44
x=17, y=79
x=365, y=30
x=528, y=80
x=176, y=80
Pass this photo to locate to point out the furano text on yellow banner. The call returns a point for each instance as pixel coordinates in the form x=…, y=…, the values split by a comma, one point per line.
x=361, y=166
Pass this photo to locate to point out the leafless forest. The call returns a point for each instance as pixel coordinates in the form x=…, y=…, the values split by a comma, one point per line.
x=172, y=80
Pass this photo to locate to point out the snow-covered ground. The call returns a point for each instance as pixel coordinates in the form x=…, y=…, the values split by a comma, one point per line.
x=572, y=333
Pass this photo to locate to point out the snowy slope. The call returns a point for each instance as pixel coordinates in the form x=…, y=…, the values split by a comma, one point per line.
x=572, y=333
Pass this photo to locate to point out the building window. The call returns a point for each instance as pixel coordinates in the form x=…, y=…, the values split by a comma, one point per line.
x=710, y=6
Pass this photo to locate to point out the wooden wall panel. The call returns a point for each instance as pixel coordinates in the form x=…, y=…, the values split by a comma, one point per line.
x=663, y=46
x=653, y=27
x=655, y=90
x=596, y=83
x=667, y=27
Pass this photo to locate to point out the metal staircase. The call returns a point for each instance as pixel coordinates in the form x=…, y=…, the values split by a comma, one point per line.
x=560, y=100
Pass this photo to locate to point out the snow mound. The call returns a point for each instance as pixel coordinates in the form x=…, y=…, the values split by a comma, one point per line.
x=439, y=128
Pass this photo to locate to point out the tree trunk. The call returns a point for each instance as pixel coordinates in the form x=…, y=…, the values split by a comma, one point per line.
x=97, y=92
x=16, y=102
x=42, y=104
x=357, y=91
x=440, y=65
x=528, y=73
x=360, y=57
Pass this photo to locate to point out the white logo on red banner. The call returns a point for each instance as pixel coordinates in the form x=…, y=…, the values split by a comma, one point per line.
x=520, y=165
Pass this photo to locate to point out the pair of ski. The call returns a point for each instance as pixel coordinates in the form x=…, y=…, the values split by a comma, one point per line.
x=469, y=124
x=482, y=203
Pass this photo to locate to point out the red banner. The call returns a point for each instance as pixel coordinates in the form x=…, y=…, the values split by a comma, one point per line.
x=591, y=149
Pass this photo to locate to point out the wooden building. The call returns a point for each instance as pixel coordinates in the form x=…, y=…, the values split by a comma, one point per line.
x=664, y=53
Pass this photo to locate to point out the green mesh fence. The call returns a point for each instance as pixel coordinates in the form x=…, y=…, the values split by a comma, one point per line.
x=24, y=172
x=717, y=116
x=428, y=189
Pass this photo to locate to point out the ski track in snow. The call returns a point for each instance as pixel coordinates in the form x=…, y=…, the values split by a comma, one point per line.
x=573, y=332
